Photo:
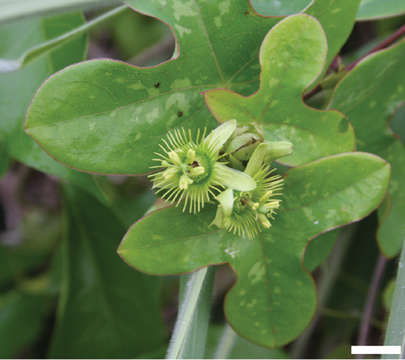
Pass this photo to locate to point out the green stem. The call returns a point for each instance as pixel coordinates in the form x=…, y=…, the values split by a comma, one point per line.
x=395, y=334
x=226, y=343
x=42, y=49
x=372, y=296
x=18, y=9
x=338, y=314
x=196, y=297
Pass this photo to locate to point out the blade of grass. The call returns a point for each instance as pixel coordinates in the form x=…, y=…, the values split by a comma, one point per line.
x=41, y=49
x=195, y=345
x=190, y=331
x=395, y=334
x=17, y=9
x=226, y=343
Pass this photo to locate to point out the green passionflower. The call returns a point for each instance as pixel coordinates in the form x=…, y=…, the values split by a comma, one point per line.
x=191, y=170
x=246, y=213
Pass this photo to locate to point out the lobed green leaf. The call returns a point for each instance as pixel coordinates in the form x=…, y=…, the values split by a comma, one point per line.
x=319, y=248
x=368, y=9
x=277, y=8
x=376, y=9
x=274, y=297
x=292, y=56
x=113, y=115
x=369, y=95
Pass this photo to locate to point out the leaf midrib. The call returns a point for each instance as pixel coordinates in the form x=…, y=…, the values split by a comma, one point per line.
x=144, y=100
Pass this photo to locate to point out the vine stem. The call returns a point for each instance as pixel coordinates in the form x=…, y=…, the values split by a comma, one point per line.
x=384, y=44
x=45, y=47
x=395, y=334
x=186, y=313
x=225, y=343
x=387, y=42
x=338, y=314
x=371, y=297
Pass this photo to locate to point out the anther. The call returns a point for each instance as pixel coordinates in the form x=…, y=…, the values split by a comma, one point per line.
x=190, y=156
x=173, y=156
x=184, y=182
x=264, y=221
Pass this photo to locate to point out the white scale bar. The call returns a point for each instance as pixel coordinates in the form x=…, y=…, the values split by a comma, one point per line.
x=376, y=350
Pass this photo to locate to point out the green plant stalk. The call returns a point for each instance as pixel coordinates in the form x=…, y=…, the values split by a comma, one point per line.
x=190, y=330
x=195, y=345
x=226, y=343
x=41, y=49
x=17, y=9
x=395, y=334
x=337, y=314
x=371, y=300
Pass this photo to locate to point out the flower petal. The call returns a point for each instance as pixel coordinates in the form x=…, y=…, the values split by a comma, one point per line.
x=226, y=199
x=218, y=137
x=234, y=179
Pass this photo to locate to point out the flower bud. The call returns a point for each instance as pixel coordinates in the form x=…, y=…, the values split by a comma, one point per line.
x=277, y=149
x=242, y=146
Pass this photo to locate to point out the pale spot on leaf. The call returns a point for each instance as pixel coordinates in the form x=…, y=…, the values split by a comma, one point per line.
x=257, y=272
x=218, y=21
x=183, y=8
x=152, y=116
x=232, y=252
x=136, y=86
x=153, y=91
x=180, y=83
x=179, y=100
x=273, y=82
x=182, y=30
x=224, y=6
